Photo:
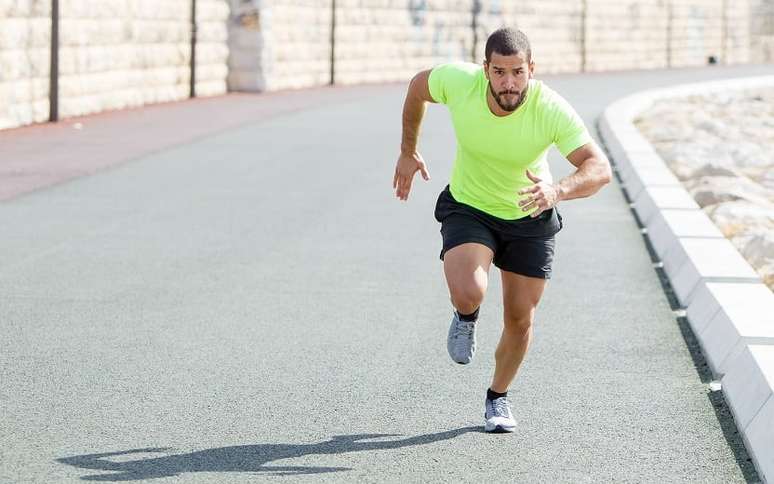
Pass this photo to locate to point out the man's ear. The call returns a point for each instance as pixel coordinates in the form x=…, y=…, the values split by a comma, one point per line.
x=531, y=68
x=486, y=69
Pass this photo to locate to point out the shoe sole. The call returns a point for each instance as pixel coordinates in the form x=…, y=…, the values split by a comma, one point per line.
x=499, y=429
x=461, y=362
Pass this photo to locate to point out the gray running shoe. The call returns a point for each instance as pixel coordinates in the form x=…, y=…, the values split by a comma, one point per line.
x=461, y=342
x=499, y=418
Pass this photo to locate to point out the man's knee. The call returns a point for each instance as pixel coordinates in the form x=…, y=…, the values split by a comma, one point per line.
x=468, y=296
x=518, y=323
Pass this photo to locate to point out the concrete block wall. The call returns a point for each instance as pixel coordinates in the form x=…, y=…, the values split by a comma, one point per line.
x=695, y=32
x=279, y=44
x=120, y=54
x=123, y=53
x=626, y=34
x=391, y=40
x=113, y=54
x=600, y=35
x=554, y=28
x=211, y=47
x=737, y=34
x=116, y=54
x=25, y=38
x=761, y=31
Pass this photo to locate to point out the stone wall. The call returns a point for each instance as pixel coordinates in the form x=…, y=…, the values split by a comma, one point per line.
x=25, y=38
x=703, y=29
x=390, y=40
x=626, y=34
x=762, y=31
x=211, y=47
x=123, y=53
x=116, y=54
x=737, y=33
x=554, y=28
x=113, y=54
x=279, y=44
x=629, y=34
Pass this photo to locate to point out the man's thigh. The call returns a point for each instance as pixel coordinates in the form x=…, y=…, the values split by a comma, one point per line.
x=521, y=295
x=467, y=264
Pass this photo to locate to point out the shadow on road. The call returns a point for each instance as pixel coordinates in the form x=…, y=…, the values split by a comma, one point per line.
x=244, y=458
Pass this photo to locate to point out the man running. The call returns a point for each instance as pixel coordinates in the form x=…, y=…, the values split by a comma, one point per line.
x=500, y=205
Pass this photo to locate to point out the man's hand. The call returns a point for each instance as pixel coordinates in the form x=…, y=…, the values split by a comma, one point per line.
x=541, y=196
x=407, y=166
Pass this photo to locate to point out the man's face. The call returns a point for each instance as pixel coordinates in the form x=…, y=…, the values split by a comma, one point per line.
x=508, y=77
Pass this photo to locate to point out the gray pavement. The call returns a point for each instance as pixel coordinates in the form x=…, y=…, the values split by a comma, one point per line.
x=255, y=304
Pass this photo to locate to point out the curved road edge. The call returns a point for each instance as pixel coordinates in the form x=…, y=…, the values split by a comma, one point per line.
x=729, y=309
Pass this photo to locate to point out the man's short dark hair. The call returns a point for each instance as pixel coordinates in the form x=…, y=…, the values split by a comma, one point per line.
x=507, y=41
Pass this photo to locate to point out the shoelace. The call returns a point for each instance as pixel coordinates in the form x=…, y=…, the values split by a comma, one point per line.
x=500, y=407
x=464, y=328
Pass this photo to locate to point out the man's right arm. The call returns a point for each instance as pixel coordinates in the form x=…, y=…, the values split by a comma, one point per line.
x=414, y=110
x=410, y=161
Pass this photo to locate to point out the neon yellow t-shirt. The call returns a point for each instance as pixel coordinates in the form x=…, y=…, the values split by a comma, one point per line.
x=493, y=153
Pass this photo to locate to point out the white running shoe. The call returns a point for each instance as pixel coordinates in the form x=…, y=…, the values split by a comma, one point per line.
x=499, y=418
x=461, y=341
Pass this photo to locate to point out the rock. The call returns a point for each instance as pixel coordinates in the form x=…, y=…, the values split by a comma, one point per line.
x=713, y=126
x=661, y=133
x=741, y=239
x=747, y=154
x=759, y=249
x=741, y=216
x=767, y=181
x=685, y=158
x=715, y=169
x=711, y=190
x=684, y=168
x=719, y=146
x=767, y=274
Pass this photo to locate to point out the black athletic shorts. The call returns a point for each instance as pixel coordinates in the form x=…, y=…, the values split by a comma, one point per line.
x=524, y=246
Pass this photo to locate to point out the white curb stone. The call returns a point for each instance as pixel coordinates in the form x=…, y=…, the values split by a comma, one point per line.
x=668, y=225
x=749, y=383
x=759, y=438
x=745, y=316
x=692, y=261
x=646, y=175
x=715, y=296
x=645, y=158
x=653, y=199
x=634, y=142
x=708, y=299
x=730, y=311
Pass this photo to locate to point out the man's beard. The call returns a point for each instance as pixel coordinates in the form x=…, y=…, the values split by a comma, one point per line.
x=503, y=104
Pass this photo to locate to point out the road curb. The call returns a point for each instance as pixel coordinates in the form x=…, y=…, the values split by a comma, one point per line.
x=729, y=309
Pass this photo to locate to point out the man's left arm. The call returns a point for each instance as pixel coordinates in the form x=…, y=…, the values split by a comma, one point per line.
x=592, y=173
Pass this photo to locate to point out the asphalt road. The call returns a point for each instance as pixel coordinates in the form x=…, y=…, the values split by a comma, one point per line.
x=256, y=304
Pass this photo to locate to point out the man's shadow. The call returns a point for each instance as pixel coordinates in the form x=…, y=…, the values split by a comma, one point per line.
x=244, y=458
